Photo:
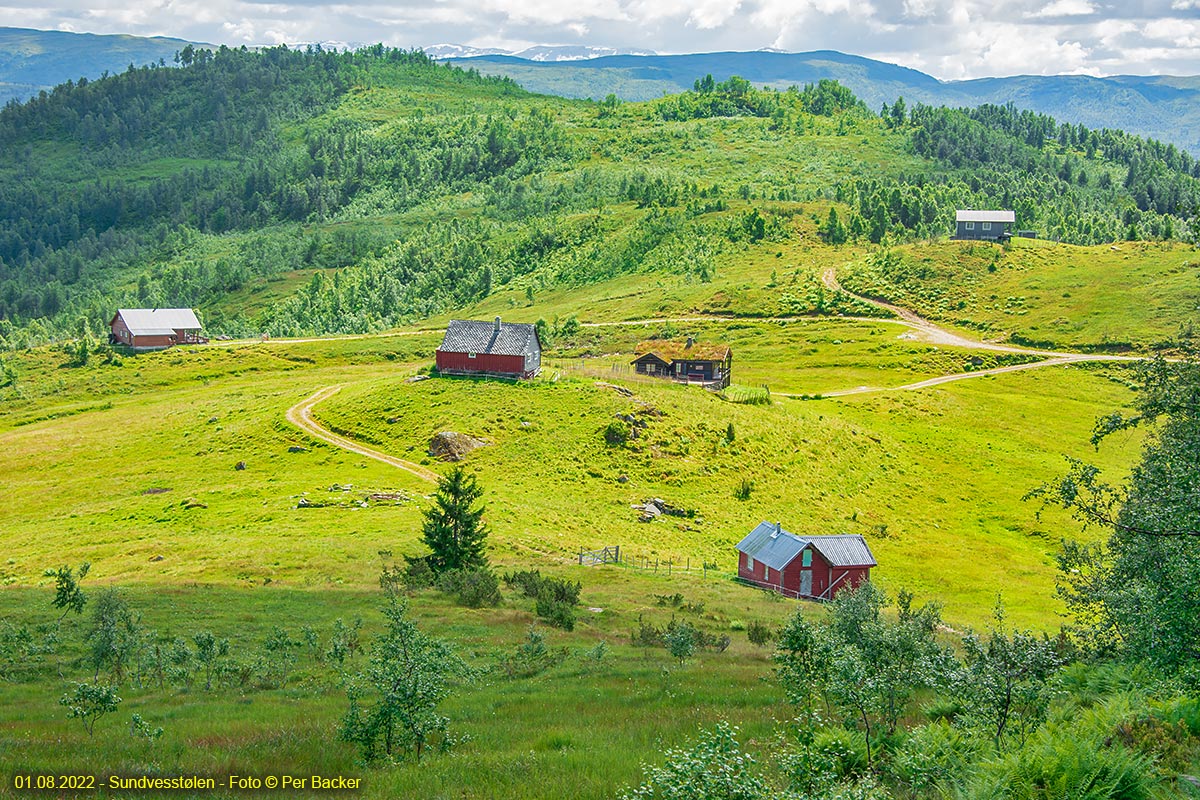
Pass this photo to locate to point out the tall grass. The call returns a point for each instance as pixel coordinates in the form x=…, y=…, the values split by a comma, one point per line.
x=747, y=395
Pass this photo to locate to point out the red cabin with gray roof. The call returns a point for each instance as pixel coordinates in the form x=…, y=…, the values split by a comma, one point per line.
x=496, y=349
x=815, y=567
x=155, y=328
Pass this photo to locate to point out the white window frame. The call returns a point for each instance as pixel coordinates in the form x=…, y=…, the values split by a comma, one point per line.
x=987, y=226
x=970, y=226
x=470, y=355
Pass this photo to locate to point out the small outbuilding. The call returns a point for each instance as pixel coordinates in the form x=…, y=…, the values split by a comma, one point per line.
x=990, y=226
x=155, y=328
x=688, y=362
x=814, y=567
x=496, y=349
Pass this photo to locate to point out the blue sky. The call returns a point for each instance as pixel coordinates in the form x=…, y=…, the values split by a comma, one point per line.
x=950, y=39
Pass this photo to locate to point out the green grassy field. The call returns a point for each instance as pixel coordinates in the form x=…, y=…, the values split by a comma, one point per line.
x=131, y=466
x=1130, y=295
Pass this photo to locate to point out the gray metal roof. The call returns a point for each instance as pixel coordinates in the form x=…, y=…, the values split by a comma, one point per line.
x=158, y=321
x=776, y=547
x=985, y=216
x=844, y=550
x=772, y=545
x=495, y=338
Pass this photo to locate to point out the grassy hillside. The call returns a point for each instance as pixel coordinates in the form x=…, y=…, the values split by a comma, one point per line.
x=368, y=190
x=1150, y=106
x=1118, y=297
x=132, y=465
x=146, y=452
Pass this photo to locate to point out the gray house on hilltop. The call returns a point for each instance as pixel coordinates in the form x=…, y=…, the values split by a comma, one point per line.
x=988, y=226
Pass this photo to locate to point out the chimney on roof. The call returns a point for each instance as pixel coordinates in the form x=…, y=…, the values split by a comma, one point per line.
x=691, y=340
x=496, y=325
x=778, y=530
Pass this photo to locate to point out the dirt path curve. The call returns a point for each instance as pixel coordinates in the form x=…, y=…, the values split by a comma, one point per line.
x=935, y=334
x=300, y=415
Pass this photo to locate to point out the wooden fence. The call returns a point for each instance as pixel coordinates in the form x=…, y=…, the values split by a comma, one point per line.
x=607, y=555
x=613, y=555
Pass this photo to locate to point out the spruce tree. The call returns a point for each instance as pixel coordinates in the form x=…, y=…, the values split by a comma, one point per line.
x=453, y=526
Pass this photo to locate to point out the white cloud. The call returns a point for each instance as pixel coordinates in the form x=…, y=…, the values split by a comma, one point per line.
x=1179, y=32
x=949, y=38
x=1063, y=8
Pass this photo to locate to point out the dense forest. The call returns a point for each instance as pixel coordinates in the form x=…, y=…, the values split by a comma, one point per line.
x=408, y=188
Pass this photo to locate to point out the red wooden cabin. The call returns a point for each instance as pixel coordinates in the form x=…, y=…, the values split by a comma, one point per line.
x=816, y=567
x=155, y=328
x=497, y=349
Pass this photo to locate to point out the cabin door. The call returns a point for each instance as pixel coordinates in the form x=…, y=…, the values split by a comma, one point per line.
x=806, y=582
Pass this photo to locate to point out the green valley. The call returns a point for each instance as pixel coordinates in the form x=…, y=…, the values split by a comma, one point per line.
x=254, y=513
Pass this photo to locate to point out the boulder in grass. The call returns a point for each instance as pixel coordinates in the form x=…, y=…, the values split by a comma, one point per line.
x=451, y=446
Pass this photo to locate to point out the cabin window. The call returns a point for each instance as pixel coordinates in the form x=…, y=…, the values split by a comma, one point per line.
x=970, y=226
x=751, y=560
x=678, y=367
x=806, y=558
x=470, y=355
x=987, y=226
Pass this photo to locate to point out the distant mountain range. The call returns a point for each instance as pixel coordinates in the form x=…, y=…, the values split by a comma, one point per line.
x=1166, y=108
x=1160, y=107
x=32, y=60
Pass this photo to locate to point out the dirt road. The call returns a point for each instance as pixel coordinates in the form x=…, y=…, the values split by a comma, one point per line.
x=300, y=415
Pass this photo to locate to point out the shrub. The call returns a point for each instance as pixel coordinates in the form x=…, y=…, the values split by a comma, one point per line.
x=532, y=656
x=89, y=702
x=557, y=612
x=418, y=574
x=562, y=591
x=846, y=750
x=1066, y=763
x=672, y=600
x=140, y=729
x=474, y=588
x=931, y=755
x=744, y=489
x=715, y=767
x=594, y=656
x=681, y=641
x=759, y=634
x=528, y=581
x=616, y=434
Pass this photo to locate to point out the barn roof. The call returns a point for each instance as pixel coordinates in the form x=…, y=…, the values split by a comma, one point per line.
x=158, y=321
x=494, y=338
x=985, y=216
x=672, y=350
x=775, y=547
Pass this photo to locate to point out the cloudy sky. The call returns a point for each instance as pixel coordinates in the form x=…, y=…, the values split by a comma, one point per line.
x=947, y=38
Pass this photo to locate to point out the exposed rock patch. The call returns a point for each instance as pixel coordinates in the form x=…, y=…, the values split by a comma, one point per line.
x=451, y=446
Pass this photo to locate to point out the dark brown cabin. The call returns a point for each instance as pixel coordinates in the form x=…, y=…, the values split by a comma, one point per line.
x=687, y=362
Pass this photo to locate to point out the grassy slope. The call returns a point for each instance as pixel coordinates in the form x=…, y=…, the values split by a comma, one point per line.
x=942, y=469
x=182, y=421
x=1132, y=293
